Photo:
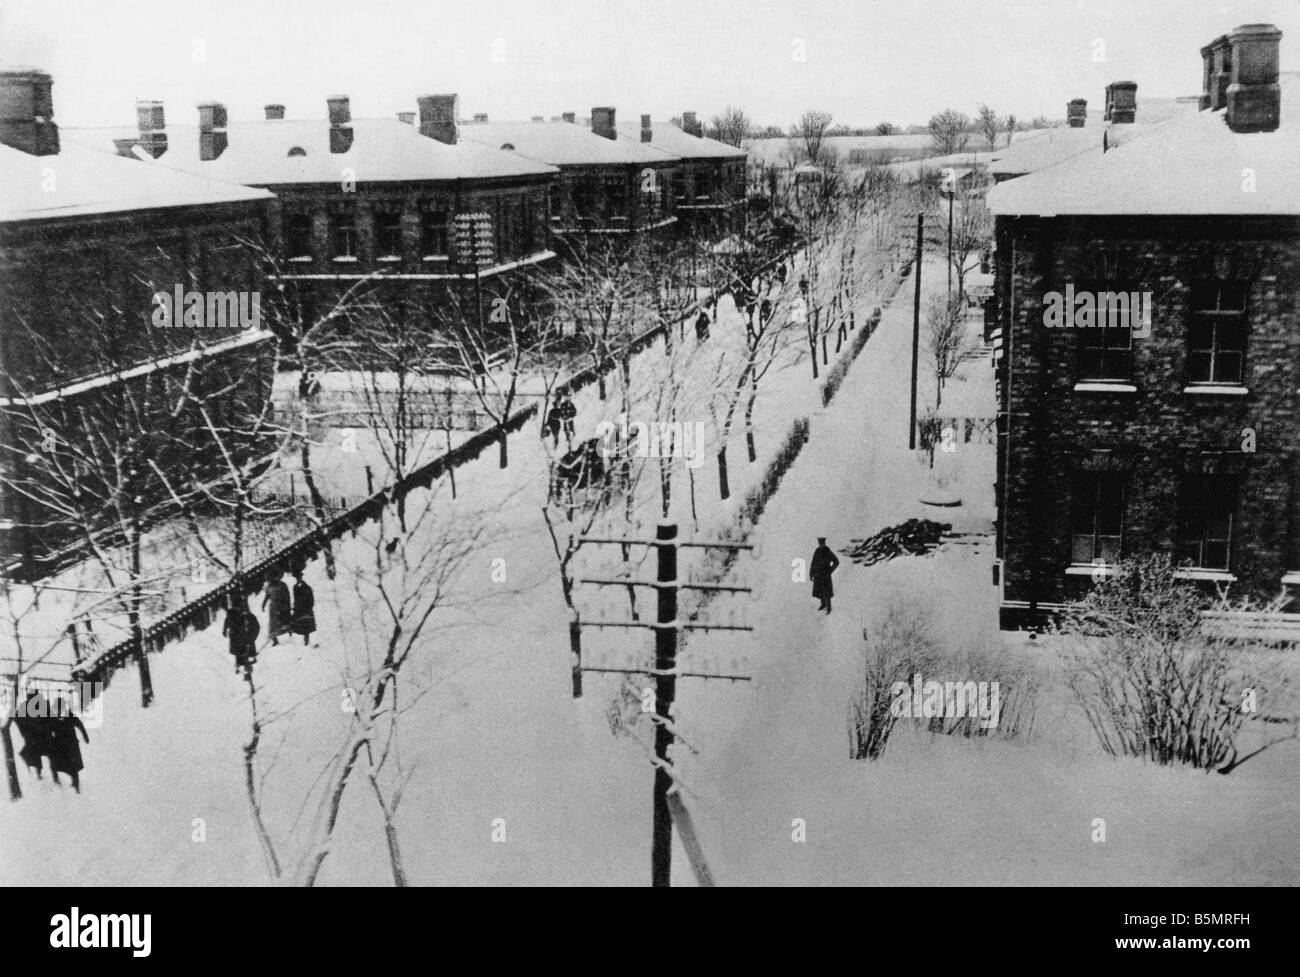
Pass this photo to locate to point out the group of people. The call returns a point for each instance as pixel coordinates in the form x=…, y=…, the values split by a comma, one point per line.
x=561, y=417
x=50, y=730
x=288, y=613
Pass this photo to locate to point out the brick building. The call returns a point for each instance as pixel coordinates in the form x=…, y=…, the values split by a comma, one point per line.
x=605, y=184
x=360, y=199
x=1164, y=422
x=86, y=241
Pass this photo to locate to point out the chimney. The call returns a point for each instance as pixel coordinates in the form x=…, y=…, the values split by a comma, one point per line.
x=438, y=114
x=212, y=130
x=691, y=125
x=1254, y=98
x=407, y=117
x=152, y=123
x=340, y=110
x=27, y=112
x=647, y=131
x=1076, y=112
x=480, y=116
x=569, y=117
x=602, y=122
x=1121, y=102
x=1217, y=60
x=274, y=111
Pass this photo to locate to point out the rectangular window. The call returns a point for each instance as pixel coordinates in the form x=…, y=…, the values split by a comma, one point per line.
x=1205, y=521
x=1216, y=338
x=1098, y=518
x=388, y=234
x=1106, y=349
x=616, y=197
x=433, y=233
x=297, y=235
x=345, y=234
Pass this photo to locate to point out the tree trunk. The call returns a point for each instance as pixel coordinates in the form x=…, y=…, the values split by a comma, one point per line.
x=724, y=487
x=749, y=425
x=502, y=439
x=451, y=476
x=11, y=765
x=137, y=632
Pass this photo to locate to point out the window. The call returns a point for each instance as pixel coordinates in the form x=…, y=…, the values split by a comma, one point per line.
x=1216, y=338
x=616, y=196
x=345, y=234
x=703, y=184
x=297, y=235
x=1106, y=349
x=433, y=233
x=584, y=198
x=388, y=233
x=1098, y=517
x=1205, y=521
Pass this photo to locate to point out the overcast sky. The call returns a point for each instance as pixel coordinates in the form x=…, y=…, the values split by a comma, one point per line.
x=864, y=60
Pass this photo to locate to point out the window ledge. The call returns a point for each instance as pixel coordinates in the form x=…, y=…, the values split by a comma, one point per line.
x=1091, y=570
x=345, y=259
x=301, y=259
x=1196, y=573
x=1217, y=389
x=435, y=257
x=389, y=259
x=1291, y=578
x=1103, y=387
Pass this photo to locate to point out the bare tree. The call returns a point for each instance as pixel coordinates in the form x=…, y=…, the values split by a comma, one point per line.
x=731, y=126
x=810, y=131
x=947, y=339
x=991, y=124
x=948, y=132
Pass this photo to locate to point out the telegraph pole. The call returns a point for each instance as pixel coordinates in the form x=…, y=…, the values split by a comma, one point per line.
x=668, y=631
x=916, y=333
x=661, y=851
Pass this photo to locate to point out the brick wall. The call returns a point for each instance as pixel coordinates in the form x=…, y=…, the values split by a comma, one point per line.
x=1157, y=432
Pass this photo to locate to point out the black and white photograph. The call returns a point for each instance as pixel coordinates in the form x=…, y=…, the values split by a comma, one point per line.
x=646, y=443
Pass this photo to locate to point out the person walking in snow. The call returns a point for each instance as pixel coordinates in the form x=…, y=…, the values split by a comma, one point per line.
x=566, y=413
x=824, y=563
x=276, y=601
x=304, y=608
x=65, y=751
x=34, y=725
x=242, y=627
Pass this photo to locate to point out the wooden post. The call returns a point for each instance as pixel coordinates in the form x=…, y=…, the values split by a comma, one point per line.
x=690, y=841
x=661, y=851
x=916, y=334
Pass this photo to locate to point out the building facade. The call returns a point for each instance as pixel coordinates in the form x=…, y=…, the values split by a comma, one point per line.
x=1148, y=300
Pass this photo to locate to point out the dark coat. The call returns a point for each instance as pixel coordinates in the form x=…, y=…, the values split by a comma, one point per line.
x=304, y=608
x=34, y=725
x=702, y=327
x=824, y=563
x=242, y=627
x=65, y=751
x=277, y=601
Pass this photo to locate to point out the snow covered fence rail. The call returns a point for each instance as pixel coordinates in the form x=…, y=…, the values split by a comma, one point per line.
x=200, y=612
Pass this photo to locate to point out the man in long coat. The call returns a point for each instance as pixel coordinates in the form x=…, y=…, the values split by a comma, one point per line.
x=824, y=563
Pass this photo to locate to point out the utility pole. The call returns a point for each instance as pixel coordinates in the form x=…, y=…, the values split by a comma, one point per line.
x=668, y=631
x=952, y=194
x=916, y=333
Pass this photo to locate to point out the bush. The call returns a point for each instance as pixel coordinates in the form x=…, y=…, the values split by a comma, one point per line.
x=899, y=646
x=1018, y=682
x=757, y=498
x=1152, y=681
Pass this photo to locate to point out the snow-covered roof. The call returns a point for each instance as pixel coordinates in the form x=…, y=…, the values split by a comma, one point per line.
x=257, y=153
x=1048, y=149
x=79, y=181
x=670, y=139
x=558, y=143
x=1190, y=164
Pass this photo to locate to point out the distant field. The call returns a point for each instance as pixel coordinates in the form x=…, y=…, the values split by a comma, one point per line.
x=861, y=149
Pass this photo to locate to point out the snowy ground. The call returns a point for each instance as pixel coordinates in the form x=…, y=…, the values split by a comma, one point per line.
x=500, y=748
